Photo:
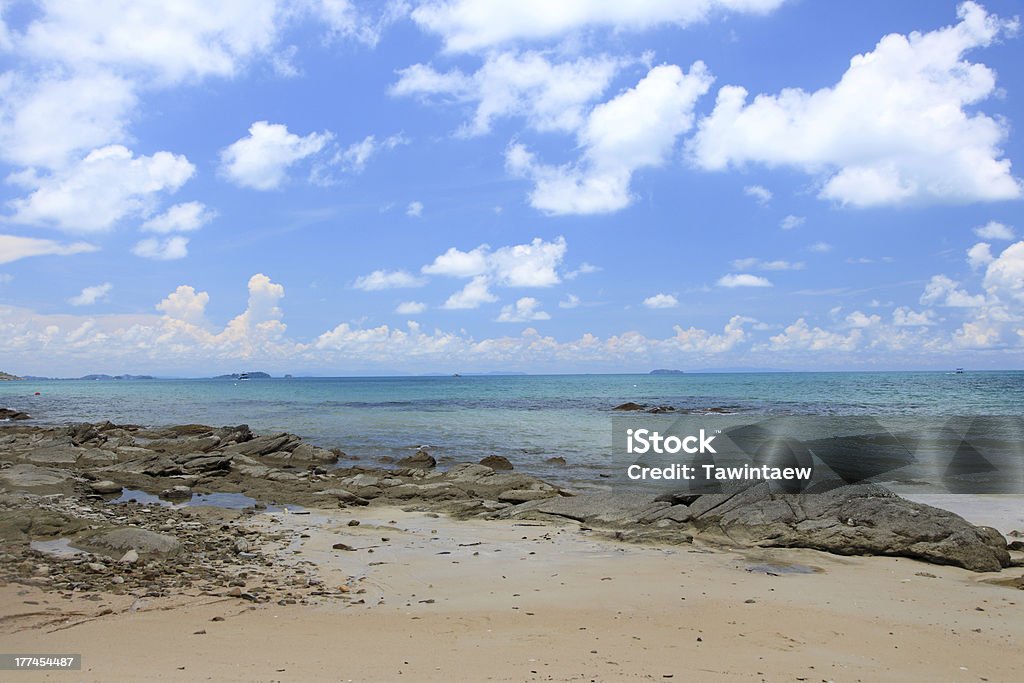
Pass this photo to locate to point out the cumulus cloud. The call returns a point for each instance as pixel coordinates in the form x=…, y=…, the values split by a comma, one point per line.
x=166, y=249
x=994, y=230
x=14, y=248
x=108, y=185
x=414, y=210
x=410, y=308
x=466, y=25
x=525, y=309
x=636, y=129
x=904, y=316
x=743, y=280
x=261, y=159
x=801, y=336
x=821, y=247
x=91, y=295
x=473, y=295
x=186, y=305
x=900, y=126
x=693, y=339
x=185, y=217
x=388, y=279
x=355, y=156
x=551, y=97
x=345, y=20
x=944, y=291
x=980, y=255
x=521, y=265
x=661, y=301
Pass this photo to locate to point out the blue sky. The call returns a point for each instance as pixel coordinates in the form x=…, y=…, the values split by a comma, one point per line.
x=338, y=187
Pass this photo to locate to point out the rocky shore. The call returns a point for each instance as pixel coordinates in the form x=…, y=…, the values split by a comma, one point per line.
x=68, y=522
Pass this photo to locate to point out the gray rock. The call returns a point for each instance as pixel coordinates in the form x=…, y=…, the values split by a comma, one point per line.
x=517, y=496
x=117, y=542
x=54, y=455
x=497, y=462
x=105, y=487
x=177, y=493
x=130, y=557
x=40, y=480
x=421, y=460
x=264, y=445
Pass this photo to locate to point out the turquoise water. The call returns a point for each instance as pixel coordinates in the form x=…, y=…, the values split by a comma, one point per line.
x=525, y=418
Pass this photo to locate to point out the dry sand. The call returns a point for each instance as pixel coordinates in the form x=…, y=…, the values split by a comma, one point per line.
x=513, y=601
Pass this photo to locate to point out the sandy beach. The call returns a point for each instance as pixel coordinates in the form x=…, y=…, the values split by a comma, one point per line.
x=517, y=601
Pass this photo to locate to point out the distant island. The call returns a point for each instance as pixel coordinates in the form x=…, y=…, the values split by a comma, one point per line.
x=5, y=377
x=244, y=375
x=662, y=371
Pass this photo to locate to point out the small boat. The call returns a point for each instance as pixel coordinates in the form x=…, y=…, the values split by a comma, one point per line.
x=244, y=377
x=959, y=371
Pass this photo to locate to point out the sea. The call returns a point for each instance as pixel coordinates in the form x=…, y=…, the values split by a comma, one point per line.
x=525, y=418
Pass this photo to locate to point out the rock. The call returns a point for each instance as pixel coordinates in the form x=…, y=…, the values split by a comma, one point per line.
x=96, y=457
x=105, y=487
x=96, y=567
x=353, y=522
x=54, y=455
x=8, y=414
x=312, y=455
x=496, y=462
x=344, y=497
x=25, y=524
x=629, y=405
x=557, y=460
x=177, y=493
x=421, y=460
x=241, y=545
x=39, y=480
x=1015, y=545
x=130, y=557
x=120, y=541
x=264, y=445
x=611, y=508
x=516, y=496
x=851, y=520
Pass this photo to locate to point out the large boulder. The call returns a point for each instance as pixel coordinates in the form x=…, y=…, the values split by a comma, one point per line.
x=497, y=462
x=266, y=444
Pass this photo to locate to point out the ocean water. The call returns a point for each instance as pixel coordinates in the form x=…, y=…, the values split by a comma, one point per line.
x=525, y=418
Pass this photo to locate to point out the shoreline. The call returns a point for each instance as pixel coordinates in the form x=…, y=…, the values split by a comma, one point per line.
x=470, y=572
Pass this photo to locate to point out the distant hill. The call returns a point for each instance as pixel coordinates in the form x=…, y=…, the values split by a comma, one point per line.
x=94, y=377
x=662, y=371
x=5, y=377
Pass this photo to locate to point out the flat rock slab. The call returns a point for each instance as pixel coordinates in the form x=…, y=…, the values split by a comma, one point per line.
x=116, y=542
x=41, y=480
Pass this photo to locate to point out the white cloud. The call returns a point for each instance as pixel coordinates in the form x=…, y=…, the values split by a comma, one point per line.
x=584, y=269
x=1004, y=277
x=170, y=42
x=475, y=293
x=943, y=291
x=570, y=301
x=108, y=185
x=466, y=25
x=261, y=159
x=186, y=305
x=906, y=317
x=759, y=192
x=636, y=129
x=900, y=126
x=791, y=221
x=521, y=265
x=743, y=280
x=91, y=295
x=13, y=248
x=821, y=247
x=694, y=339
x=801, y=336
x=384, y=279
x=858, y=319
x=760, y=264
x=410, y=308
x=980, y=255
x=46, y=121
x=550, y=96
x=344, y=19
x=994, y=230
x=355, y=156
x=661, y=301
x=525, y=309
x=185, y=217
x=414, y=210
x=167, y=249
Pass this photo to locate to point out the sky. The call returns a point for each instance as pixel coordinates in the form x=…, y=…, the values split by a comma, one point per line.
x=337, y=187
